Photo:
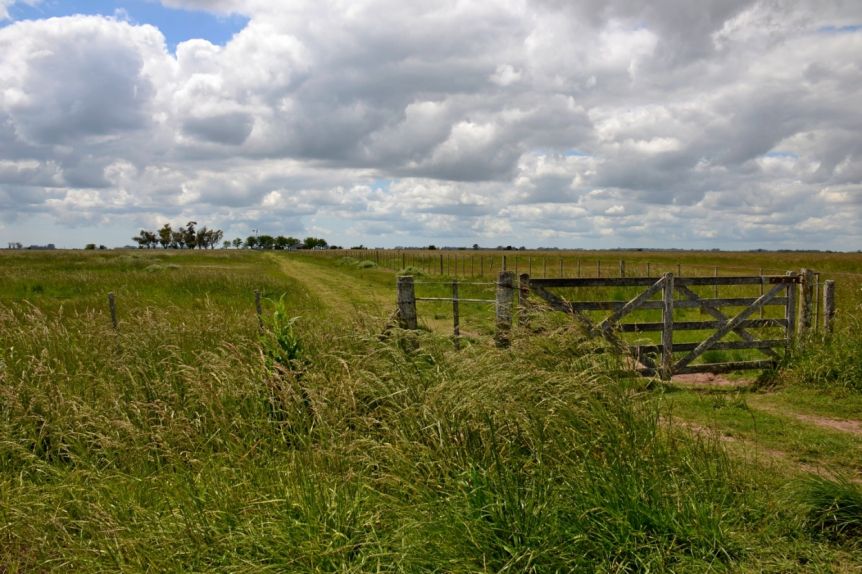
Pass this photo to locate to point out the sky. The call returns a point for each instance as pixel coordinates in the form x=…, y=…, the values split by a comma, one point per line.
x=731, y=124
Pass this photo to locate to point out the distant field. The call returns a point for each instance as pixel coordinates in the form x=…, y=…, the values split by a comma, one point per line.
x=190, y=439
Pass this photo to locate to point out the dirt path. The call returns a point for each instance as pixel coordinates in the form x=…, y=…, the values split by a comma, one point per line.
x=337, y=291
x=752, y=451
x=849, y=426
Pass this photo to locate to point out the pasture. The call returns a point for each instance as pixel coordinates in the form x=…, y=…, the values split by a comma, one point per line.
x=191, y=438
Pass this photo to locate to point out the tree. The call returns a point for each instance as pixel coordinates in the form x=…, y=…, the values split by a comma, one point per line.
x=251, y=242
x=312, y=242
x=226, y=245
x=237, y=242
x=216, y=236
x=202, y=237
x=145, y=239
x=178, y=239
x=165, y=235
x=190, y=235
x=266, y=241
x=140, y=239
x=90, y=247
x=280, y=242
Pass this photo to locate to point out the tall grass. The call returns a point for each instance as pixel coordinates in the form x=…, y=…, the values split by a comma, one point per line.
x=186, y=441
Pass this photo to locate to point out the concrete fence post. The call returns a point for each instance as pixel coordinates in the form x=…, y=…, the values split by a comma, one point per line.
x=505, y=299
x=406, y=303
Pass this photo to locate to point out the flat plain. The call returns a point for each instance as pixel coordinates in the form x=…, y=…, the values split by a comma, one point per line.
x=196, y=436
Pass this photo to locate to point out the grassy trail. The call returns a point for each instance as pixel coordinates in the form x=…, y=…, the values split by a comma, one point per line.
x=338, y=293
x=798, y=431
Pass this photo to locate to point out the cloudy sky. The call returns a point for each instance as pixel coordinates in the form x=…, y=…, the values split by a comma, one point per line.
x=570, y=123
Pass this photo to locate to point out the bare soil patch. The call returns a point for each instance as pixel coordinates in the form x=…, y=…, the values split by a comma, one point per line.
x=708, y=380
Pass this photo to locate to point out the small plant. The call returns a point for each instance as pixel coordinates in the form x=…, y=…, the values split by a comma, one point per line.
x=279, y=341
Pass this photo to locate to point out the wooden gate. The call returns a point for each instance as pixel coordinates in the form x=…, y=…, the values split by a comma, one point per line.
x=664, y=357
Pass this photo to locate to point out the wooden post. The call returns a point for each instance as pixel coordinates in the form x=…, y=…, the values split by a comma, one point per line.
x=762, y=310
x=817, y=302
x=524, y=300
x=715, y=287
x=505, y=298
x=622, y=268
x=503, y=263
x=112, y=307
x=806, y=307
x=828, y=307
x=406, y=303
x=456, y=319
x=790, y=311
x=259, y=310
x=647, y=269
x=666, y=370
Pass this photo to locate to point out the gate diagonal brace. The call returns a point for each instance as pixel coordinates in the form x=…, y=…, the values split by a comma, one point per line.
x=728, y=327
x=608, y=324
x=559, y=304
x=717, y=314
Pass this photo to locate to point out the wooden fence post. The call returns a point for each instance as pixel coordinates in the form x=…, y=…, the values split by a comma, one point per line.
x=406, y=303
x=112, y=307
x=666, y=370
x=806, y=307
x=524, y=300
x=828, y=307
x=790, y=310
x=505, y=297
x=456, y=318
x=622, y=268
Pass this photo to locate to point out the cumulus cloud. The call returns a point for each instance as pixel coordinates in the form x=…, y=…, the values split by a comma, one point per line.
x=595, y=123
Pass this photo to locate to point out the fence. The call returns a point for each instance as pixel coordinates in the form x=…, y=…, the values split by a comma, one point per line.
x=679, y=294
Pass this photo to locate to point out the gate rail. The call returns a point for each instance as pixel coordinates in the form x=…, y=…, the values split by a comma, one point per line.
x=666, y=294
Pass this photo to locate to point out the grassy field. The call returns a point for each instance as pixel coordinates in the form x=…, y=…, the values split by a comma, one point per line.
x=188, y=439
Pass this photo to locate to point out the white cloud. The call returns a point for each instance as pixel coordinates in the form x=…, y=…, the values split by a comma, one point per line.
x=605, y=121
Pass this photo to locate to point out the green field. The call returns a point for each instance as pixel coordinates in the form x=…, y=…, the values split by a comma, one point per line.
x=190, y=439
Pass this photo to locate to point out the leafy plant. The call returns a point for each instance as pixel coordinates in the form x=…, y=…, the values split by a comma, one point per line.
x=280, y=341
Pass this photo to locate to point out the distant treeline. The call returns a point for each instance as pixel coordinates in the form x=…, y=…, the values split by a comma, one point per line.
x=183, y=237
x=190, y=236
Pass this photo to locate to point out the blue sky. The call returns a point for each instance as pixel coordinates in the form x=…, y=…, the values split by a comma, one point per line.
x=177, y=25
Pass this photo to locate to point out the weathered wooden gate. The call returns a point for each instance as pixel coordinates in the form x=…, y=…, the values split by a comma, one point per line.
x=659, y=358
